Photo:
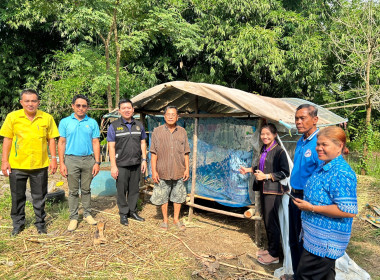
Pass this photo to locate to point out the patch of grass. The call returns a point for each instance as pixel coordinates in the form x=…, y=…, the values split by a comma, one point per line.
x=353, y=160
x=5, y=203
x=364, y=246
x=5, y=247
x=58, y=210
x=140, y=205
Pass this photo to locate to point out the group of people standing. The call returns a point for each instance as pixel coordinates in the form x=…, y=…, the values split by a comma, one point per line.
x=322, y=202
x=29, y=132
x=323, y=186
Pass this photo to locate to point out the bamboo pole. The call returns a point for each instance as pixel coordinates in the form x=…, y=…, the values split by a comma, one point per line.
x=227, y=213
x=196, y=115
x=194, y=168
x=258, y=207
x=349, y=105
x=213, y=199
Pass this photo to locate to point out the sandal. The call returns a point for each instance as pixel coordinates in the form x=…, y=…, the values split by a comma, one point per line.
x=164, y=226
x=180, y=226
x=262, y=253
x=268, y=259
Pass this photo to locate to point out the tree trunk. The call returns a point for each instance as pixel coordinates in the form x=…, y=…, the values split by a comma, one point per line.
x=109, y=94
x=118, y=53
x=106, y=43
x=368, y=105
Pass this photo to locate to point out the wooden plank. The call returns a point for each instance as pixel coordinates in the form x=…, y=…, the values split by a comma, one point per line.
x=227, y=213
x=182, y=115
x=194, y=168
x=214, y=115
x=350, y=105
x=213, y=199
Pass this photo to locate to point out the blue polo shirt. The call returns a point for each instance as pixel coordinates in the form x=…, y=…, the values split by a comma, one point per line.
x=305, y=161
x=79, y=135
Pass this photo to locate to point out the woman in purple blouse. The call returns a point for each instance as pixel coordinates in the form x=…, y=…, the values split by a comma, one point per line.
x=271, y=167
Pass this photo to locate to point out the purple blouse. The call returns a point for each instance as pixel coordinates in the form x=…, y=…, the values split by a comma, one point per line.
x=264, y=155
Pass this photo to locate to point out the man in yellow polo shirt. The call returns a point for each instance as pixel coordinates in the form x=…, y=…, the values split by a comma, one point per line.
x=27, y=134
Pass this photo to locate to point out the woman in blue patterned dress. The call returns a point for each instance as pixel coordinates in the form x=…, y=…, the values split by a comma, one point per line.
x=328, y=207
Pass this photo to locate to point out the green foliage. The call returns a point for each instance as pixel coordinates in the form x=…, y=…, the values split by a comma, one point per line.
x=371, y=162
x=260, y=46
x=274, y=48
x=354, y=34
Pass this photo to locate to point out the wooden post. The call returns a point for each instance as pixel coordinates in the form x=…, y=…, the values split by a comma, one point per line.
x=258, y=207
x=194, y=167
x=142, y=178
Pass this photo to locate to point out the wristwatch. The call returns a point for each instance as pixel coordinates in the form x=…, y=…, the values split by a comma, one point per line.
x=144, y=159
x=98, y=162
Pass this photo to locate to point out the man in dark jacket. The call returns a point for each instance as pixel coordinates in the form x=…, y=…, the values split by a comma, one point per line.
x=127, y=149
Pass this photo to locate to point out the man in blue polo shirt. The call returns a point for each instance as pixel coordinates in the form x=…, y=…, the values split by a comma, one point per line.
x=305, y=162
x=79, y=157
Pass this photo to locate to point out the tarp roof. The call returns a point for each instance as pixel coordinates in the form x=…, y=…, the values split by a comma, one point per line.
x=216, y=99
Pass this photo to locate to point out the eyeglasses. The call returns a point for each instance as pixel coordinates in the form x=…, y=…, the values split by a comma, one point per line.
x=171, y=115
x=80, y=105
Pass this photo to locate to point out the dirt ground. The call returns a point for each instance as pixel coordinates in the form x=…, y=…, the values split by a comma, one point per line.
x=210, y=247
x=207, y=249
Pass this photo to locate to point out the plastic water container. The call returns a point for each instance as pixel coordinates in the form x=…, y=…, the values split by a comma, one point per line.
x=103, y=184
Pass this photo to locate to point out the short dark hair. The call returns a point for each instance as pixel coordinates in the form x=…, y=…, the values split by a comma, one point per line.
x=170, y=107
x=80, y=96
x=125, y=100
x=313, y=111
x=272, y=128
x=29, y=91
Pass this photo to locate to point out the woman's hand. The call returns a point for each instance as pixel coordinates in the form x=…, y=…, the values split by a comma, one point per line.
x=260, y=176
x=245, y=170
x=303, y=205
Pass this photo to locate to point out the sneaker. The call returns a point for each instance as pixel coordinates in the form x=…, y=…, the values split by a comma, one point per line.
x=72, y=225
x=90, y=220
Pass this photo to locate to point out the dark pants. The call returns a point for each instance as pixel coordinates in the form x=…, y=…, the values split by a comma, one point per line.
x=312, y=267
x=295, y=226
x=269, y=207
x=128, y=182
x=38, y=187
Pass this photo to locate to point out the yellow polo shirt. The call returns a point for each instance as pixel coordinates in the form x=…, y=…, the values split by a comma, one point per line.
x=29, y=139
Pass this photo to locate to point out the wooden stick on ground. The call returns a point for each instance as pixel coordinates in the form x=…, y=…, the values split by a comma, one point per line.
x=222, y=263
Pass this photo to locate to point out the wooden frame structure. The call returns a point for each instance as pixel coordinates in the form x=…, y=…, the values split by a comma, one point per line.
x=192, y=99
x=190, y=200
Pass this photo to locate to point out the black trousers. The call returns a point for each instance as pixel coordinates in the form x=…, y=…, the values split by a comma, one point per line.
x=38, y=187
x=128, y=182
x=295, y=226
x=269, y=207
x=312, y=267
